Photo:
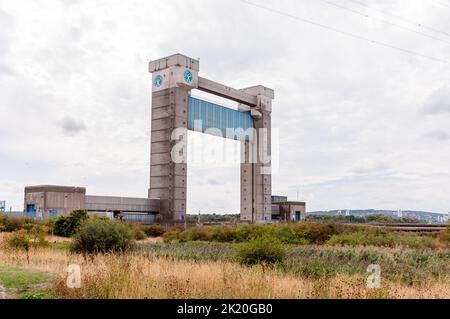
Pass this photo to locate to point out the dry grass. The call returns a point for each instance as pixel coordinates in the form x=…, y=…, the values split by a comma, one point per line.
x=151, y=240
x=141, y=275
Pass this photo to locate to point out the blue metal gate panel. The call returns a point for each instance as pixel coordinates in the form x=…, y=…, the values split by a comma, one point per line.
x=53, y=213
x=31, y=210
x=219, y=117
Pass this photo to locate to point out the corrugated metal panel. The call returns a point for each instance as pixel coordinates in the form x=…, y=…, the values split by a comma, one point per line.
x=221, y=118
x=139, y=218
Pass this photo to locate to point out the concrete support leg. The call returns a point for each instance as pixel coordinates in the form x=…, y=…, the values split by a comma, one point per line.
x=256, y=178
x=168, y=179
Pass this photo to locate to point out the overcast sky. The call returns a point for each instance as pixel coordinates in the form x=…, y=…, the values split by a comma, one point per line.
x=362, y=125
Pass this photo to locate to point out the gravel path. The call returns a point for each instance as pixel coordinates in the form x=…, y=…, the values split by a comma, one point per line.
x=2, y=292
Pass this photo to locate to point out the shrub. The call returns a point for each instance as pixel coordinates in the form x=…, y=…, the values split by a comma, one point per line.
x=37, y=234
x=319, y=233
x=102, y=236
x=2, y=221
x=20, y=241
x=444, y=237
x=265, y=251
x=195, y=234
x=172, y=235
x=377, y=238
x=12, y=224
x=414, y=241
x=66, y=226
x=138, y=233
x=288, y=236
x=223, y=234
x=153, y=230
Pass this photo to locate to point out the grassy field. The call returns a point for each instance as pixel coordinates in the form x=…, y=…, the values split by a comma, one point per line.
x=23, y=283
x=208, y=270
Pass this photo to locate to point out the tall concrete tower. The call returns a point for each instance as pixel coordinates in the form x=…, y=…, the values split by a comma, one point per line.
x=256, y=174
x=173, y=79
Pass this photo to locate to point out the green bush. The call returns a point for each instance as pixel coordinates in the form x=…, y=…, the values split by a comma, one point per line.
x=383, y=238
x=363, y=238
x=414, y=241
x=223, y=234
x=66, y=226
x=138, y=233
x=12, y=224
x=172, y=235
x=444, y=237
x=299, y=234
x=102, y=236
x=2, y=221
x=319, y=233
x=25, y=239
x=153, y=230
x=195, y=234
x=19, y=240
x=305, y=233
x=265, y=251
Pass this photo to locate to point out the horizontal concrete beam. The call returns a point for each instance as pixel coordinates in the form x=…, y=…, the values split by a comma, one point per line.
x=226, y=92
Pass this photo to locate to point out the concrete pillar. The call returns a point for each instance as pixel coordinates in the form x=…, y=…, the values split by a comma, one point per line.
x=173, y=79
x=256, y=178
x=247, y=212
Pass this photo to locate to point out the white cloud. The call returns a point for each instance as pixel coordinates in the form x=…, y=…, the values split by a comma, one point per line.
x=439, y=135
x=439, y=101
x=71, y=126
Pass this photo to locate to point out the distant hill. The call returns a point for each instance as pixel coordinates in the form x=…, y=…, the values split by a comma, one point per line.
x=421, y=215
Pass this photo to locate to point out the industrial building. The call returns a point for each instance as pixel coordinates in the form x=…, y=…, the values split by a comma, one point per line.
x=173, y=109
x=51, y=201
x=285, y=210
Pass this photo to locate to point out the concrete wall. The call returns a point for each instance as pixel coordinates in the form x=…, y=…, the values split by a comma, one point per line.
x=170, y=91
x=286, y=210
x=65, y=199
x=62, y=198
x=256, y=178
x=168, y=179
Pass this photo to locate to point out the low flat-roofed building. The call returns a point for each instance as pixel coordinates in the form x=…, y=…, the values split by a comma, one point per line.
x=288, y=211
x=51, y=201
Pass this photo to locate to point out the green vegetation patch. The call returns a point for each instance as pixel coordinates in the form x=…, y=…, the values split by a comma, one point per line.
x=61, y=246
x=404, y=265
x=13, y=278
x=335, y=234
x=192, y=251
x=261, y=251
x=103, y=236
x=38, y=294
x=66, y=226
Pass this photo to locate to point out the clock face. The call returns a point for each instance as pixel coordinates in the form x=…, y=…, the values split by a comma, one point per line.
x=158, y=81
x=188, y=77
